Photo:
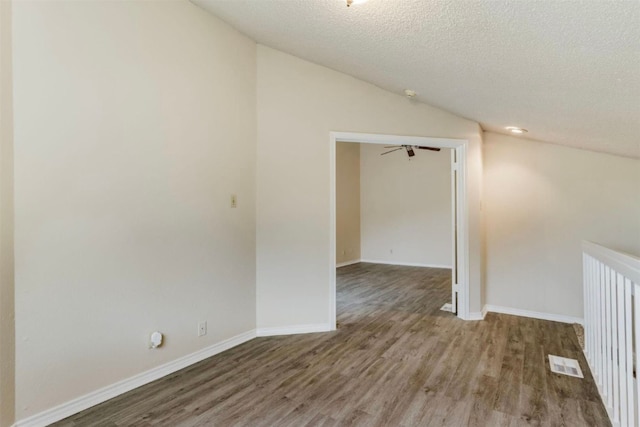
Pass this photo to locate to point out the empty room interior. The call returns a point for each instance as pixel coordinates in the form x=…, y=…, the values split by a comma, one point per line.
x=319, y=213
x=394, y=225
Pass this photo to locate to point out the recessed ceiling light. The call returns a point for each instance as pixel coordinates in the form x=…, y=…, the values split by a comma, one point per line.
x=516, y=130
x=410, y=93
x=350, y=2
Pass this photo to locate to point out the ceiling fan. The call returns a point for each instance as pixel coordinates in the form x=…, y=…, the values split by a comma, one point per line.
x=409, y=149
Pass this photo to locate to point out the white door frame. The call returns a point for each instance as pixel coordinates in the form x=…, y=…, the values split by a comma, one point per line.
x=458, y=163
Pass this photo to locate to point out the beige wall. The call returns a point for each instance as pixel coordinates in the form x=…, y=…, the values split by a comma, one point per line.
x=406, y=206
x=134, y=123
x=347, y=202
x=299, y=103
x=541, y=201
x=7, y=336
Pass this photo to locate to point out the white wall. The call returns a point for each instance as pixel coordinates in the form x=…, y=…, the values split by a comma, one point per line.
x=347, y=202
x=406, y=206
x=134, y=123
x=541, y=201
x=299, y=103
x=7, y=333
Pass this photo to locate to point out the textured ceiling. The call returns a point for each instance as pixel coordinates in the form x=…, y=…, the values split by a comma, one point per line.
x=568, y=71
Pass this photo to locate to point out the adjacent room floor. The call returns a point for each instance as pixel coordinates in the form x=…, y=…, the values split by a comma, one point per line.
x=396, y=360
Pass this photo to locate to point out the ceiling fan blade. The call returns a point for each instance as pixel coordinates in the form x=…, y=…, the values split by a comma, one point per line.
x=428, y=148
x=391, y=151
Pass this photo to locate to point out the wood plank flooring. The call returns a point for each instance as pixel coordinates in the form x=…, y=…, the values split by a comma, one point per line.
x=396, y=360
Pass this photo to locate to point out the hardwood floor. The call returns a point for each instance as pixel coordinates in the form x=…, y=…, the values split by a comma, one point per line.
x=396, y=360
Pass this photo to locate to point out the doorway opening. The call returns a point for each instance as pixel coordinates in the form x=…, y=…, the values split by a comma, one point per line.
x=459, y=219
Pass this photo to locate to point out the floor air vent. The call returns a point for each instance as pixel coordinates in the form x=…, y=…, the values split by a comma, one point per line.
x=564, y=366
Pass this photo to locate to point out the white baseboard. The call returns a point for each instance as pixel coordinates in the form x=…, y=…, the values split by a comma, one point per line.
x=406, y=264
x=295, y=329
x=101, y=395
x=476, y=315
x=344, y=264
x=532, y=314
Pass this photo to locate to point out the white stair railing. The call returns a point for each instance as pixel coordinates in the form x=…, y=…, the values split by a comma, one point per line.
x=612, y=329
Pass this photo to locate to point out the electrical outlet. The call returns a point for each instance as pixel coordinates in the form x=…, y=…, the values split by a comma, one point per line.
x=202, y=328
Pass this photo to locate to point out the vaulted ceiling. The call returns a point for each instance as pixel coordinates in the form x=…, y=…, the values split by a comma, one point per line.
x=569, y=72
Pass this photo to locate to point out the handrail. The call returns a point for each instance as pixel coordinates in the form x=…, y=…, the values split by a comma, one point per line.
x=623, y=263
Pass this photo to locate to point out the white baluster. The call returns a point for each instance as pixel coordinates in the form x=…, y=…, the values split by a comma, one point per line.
x=615, y=372
x=591, y=310
x=608, y=385
x=585, y=304
x=636, y=308
x=622, y=349
x=600, y=352
x=594, y=311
